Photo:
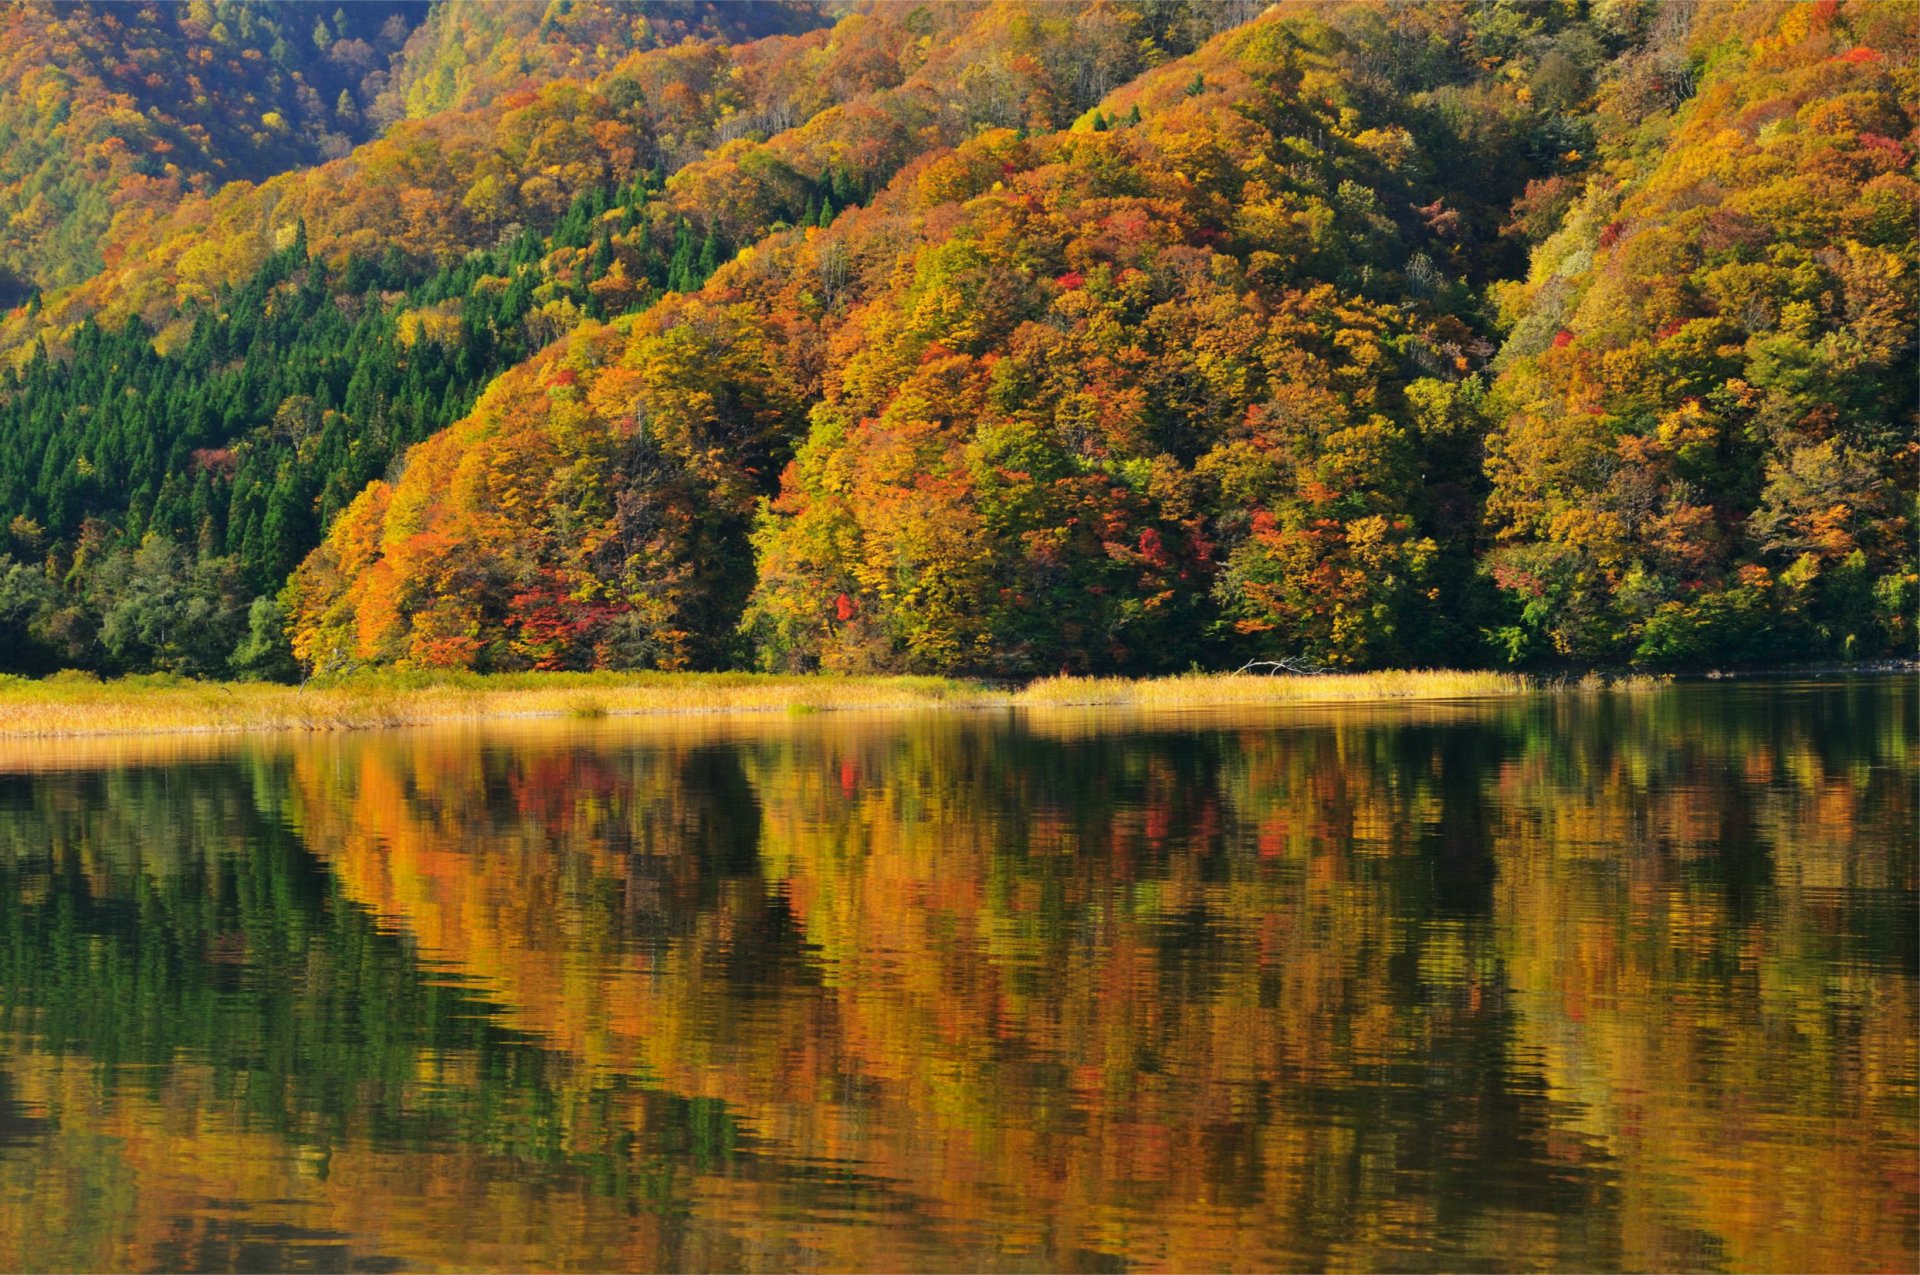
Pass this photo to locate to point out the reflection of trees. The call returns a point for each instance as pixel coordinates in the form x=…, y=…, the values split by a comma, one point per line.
x=270, y=1034
x=1713, y=947
x=1184, y=988
x=1335, y=988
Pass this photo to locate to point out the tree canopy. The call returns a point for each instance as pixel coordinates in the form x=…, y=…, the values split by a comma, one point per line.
x=1012, y=339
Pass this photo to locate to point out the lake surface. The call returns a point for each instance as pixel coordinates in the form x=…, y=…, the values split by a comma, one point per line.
x=1579, y=981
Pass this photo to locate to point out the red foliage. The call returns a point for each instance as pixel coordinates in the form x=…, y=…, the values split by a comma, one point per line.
x=556, y=631
x=1152, y=549
x=219, y=461
x=1515, y=580
x=1562, y=339
x=1886, y=146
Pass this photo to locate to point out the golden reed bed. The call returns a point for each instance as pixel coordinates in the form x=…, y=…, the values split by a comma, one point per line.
x=73, y=706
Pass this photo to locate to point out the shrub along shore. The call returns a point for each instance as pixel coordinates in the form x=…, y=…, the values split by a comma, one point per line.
x=66, y=705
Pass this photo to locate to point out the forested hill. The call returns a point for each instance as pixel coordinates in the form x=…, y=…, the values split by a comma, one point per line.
x=112, y=113
x=997, y=338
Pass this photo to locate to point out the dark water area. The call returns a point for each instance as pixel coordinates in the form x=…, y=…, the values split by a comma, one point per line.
x=1582, y=981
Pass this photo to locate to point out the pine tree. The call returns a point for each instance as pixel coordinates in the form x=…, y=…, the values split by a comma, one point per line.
x=680, y=269
x=709, y=257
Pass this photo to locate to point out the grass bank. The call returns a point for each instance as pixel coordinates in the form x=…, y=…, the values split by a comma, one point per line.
x=64, y=705
x=67, y=705
x=1197, y=690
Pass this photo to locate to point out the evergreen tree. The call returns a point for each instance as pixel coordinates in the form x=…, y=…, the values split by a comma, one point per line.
x=709, y=258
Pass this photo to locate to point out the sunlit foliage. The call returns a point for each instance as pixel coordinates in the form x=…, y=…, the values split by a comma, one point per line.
x=110, y=114
x=1017, y=339
x=1703, y=442
x=1123, y=394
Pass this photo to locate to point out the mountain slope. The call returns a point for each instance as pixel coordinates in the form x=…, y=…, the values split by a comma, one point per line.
x=860, y=98
x=1112, y=396
x=466, y=53
x=1704, y=431
x=114, y=112
x=312, y=327
x=1006, y=338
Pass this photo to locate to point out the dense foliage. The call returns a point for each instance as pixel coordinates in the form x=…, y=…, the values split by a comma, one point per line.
x=1010, y=339
x=1703, y=438
x=342, y=372
x=111, y=113
x=116, y=116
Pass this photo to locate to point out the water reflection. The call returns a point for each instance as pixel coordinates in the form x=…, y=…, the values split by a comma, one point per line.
x=1591, y=982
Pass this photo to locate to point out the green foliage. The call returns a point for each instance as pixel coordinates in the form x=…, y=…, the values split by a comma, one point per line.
x=286, y=398
x=265, y=653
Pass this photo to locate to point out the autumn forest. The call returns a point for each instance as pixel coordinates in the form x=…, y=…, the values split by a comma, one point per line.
x=629, y=635
x=993, y=339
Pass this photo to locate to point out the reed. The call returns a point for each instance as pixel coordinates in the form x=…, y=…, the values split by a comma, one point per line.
x=1206, y=689
x=67, y=706
x=71, y=705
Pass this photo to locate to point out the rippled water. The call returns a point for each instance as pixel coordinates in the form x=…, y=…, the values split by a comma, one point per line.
x=1591, y=982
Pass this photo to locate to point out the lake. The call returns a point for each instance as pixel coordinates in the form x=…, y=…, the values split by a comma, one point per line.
x=1587, y=980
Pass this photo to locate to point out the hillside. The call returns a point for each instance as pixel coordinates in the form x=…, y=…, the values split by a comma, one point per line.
x=1107, y=396
x=111, y=113
x=468, y=52
x=1010, y=339
x=309, y=328
x=113, y=116
x=1702, y=436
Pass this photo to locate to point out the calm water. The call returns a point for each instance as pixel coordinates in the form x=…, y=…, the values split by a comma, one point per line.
x=1584, y=982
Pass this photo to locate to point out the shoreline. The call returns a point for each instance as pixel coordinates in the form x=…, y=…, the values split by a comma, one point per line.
x=65, y=707
x=60, y=707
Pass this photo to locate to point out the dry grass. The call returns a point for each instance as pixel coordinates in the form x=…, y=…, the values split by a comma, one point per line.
x=1195, y=690
x=71, y=706
x=75, y=706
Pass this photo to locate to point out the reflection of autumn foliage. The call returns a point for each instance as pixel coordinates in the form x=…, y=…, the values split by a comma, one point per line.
x=1724, y=880
x=1602, y=980
x=1019, y=971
